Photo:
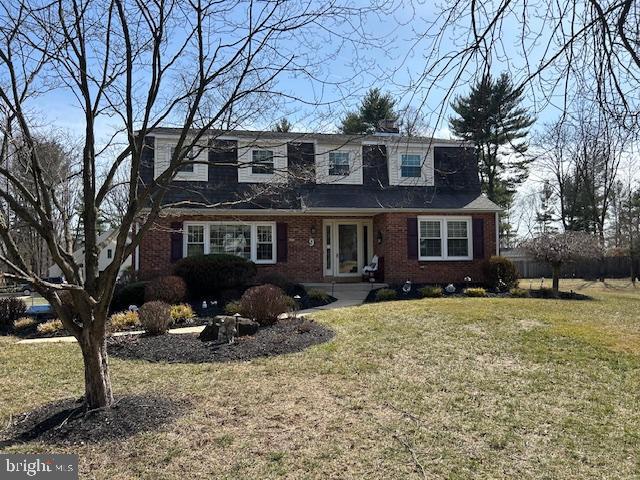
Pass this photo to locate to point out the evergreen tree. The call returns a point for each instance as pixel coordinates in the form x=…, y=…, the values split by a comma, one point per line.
x=284, y=125
x=491, y=116
x=376, y=106
x=545, y=213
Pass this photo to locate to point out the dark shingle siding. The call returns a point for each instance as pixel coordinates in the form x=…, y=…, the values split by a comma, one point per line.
x=456, y=182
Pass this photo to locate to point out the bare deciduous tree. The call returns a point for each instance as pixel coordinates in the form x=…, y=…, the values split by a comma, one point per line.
x=560, y=248
x=138, y=65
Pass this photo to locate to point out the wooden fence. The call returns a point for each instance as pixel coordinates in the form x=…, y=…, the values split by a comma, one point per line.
x=610, y=267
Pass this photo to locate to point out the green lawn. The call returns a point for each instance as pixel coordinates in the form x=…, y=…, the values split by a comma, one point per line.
x=437, y=388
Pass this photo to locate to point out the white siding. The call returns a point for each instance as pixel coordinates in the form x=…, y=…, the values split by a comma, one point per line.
x=162, y=158
x=355, y=164
x=395, y=151
x=280, y=163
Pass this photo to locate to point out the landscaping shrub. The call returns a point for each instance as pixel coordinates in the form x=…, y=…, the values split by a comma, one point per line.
x=519, y=293
x=318, y=295
x=264, y=303
x=475, y=292
x=129, y=294
x=282, y=282
x=50, y=327
x=498, y=269
x=206, y=275
x=24, y=324
x=546, y=292
x=169, y=289
x=123, y=321
x=11, y=309
x=385, y=294
x=233, y=307
x=182, y=313
x=431, y=291
x=155, y=317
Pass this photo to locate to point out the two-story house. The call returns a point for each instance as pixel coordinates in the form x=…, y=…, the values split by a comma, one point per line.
x=318, y=207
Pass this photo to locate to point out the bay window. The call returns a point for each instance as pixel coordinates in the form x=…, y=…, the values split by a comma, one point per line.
x=253, y=241
x=195, y=240
x=444, y=238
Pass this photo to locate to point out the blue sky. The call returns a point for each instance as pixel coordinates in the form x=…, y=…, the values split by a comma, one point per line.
x=391, y=68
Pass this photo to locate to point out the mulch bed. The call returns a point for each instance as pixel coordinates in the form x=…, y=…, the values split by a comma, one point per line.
x=286, y=336
x=414, y=294
x=65, y=421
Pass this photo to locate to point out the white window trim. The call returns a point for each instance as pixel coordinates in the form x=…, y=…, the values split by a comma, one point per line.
x=443, y=238
x=254, y=238
x=254, y=164
x=355, y=164
x=162, y=160
x=245, y=162
x=349, y=163
x=420, y=165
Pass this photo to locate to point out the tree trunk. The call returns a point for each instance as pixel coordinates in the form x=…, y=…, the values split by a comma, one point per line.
x=556, y=278
x=97, y=381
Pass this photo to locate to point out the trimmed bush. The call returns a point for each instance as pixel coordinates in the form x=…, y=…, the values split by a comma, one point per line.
x=24, y=324
x=169, y=289
x=182, y=313
x=233, y=307
x=318, y=295
x=282, y=282
x=500, y=274
x=123, y=321
x=206, y=275
x=50, y=327
x=385, y=294
x=431, y=291
x=155, y=317
x=475, y=292
x=129, y=294
x=519, y=293
x=264, y=303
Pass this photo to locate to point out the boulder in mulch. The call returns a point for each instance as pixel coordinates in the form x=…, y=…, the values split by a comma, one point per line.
x=244, y=326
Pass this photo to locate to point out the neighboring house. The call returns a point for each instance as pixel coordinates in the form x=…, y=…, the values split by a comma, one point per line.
x=106, y=244
x=414, y=202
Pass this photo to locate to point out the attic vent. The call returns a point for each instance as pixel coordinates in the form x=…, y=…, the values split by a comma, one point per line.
x=388, y=125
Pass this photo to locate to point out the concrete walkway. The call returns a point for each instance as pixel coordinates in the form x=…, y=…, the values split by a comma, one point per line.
x=346, y=294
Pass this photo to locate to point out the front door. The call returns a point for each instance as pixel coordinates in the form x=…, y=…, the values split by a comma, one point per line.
x=346, y=246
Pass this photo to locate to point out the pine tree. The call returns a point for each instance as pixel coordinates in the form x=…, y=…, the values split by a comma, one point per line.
x=491, y=116
x=284, y=125
x=375, y=107
x=546, y=214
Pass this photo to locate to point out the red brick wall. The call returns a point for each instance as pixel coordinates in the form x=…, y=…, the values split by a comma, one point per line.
x=304, y=263
x=398, y=267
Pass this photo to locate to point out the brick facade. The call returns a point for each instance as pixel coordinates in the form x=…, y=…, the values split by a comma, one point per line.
x=399, y=268
x=305, y=262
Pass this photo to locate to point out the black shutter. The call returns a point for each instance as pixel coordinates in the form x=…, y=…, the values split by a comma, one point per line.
x=176, y=241
x=478, y=238
x=412, y=238
x=282, y=240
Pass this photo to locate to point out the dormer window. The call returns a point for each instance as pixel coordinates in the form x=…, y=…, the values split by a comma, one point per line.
x=262, y=162
x=339, y=164
x=410, y=165
x=187, y=168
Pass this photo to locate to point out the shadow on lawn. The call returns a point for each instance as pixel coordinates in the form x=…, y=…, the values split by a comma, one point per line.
x=66, y=422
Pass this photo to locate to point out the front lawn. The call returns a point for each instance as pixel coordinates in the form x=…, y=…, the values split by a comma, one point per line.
x=433, y=388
